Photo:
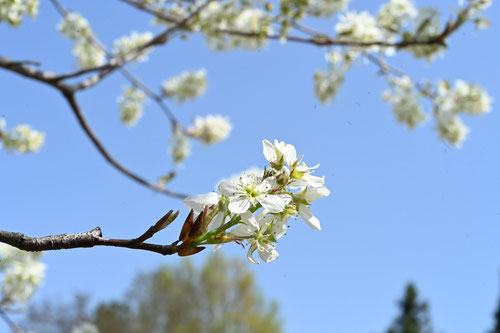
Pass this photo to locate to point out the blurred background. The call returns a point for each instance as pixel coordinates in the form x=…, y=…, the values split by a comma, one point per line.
x=405, y=207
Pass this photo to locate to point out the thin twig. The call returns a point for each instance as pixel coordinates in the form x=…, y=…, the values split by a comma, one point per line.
x=70, y=98
x=69, y=95
x=12, y=325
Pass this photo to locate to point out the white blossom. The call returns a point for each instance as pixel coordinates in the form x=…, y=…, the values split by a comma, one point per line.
x=88, y=54
x=393, y=15
x=406, y=106
x=22, y=139
x=131, y=105
x=179, y=146
x=253, y=21
x=188, y=85
x=22, y=274
x=198, y=202
x=86, y=49
x=248, y=191
x=279, y=153
x=326, y=84
x=74, y=26
x=256, y=232
x=464, y=97
x=304, y=199
x=326, y=8
x=451, y=128
x=358, y=27
x=13, y=11
x=127, y=44
x=210, y=129
x=426, y=25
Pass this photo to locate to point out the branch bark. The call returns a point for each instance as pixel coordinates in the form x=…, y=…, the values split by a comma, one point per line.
x=89, y=239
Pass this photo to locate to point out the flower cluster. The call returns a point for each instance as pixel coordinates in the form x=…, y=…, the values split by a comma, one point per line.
x=188, y=85
x=128, y=44
x=210, y=129
x=75, y=27
x=131, y=105
x=406, y=106
x=463, y=98
x=22, y=138
x=13, y=11
x=179, y=146
x=326, y=8
x=259, y=205
x=22, y=274
x=393, y=15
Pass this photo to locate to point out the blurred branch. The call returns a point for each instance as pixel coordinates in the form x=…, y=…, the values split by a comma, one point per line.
x=69, y=94
x=321, y=39
x=12, y=325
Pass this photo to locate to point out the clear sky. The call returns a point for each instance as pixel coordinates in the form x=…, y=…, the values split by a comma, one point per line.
x=404, y=205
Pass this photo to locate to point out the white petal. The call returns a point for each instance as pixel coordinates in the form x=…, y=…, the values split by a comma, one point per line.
x=316, y=193
x=239, y=205
x=199, y=201
x=290, y=154
x=251, y=250
x=243, y=230
x=269, y=253
x=313, y=180
x=274, y=203
x=269, y=152
x=265, y=186
x=248, y=218
x=228, y=188
x=216, y=247
x=217, y=221
x=308, y=217
x=280, y=227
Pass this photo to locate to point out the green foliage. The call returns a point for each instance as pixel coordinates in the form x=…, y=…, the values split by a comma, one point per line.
x=220, y=297
x=414, y=316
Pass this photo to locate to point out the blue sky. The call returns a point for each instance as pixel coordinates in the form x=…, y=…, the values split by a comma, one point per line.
x=404, y=205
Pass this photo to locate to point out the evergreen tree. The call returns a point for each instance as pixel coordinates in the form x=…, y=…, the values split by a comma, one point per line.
x=414, y=316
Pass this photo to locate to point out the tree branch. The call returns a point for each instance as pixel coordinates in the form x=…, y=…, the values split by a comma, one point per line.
x=70, y=98
x=69, y=94
x=12, y=325
x=89, y=239
x=321, y=39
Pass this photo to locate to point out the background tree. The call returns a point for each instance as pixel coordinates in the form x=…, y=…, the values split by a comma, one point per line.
x=220, y=297
x=414, y=314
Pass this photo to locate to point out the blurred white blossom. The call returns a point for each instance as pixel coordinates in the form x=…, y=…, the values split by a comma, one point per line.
x=21, y=139
x=127, y=44
x=22, y=274
x=326, y=8
x=210, y=129
x=188, y=85
x=179, y=146
x=358, y=27
x=131, y=105
x=451, y=128
x=393, y=15
x=75, y=27
x=405, y=100
x=13, y=11
x=464, y=97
